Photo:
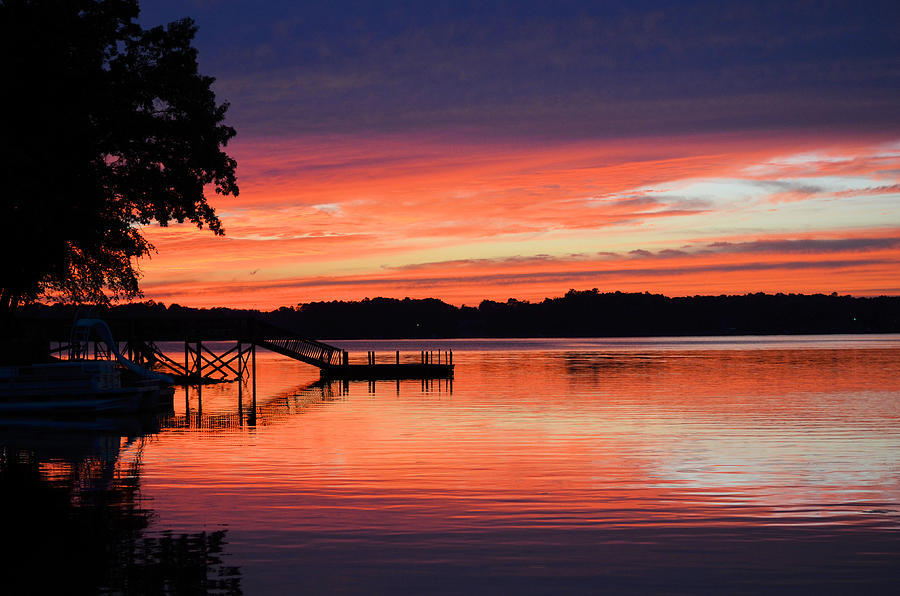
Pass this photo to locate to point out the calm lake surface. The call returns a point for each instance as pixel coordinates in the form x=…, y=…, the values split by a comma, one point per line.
x=740, y=464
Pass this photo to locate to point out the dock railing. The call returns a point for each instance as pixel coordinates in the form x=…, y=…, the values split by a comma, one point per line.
x=294, y=345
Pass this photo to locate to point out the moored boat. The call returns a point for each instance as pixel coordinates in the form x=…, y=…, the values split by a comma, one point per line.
x=71, y=386
x=80, y=385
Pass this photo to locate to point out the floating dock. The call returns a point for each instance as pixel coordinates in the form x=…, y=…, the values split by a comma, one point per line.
x=432, y=365
x=378, y=372
x=334, y=363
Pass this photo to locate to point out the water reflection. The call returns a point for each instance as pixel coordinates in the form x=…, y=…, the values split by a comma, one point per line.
x=74, y=518
x=246, y=409
x=570, y=466
x=270, y=409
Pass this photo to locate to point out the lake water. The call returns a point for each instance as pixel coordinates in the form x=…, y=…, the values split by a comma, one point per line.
x=546, y=466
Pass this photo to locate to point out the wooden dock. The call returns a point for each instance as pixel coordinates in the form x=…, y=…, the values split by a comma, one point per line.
x=202, y=364
x=431, y=365
x=334, y=363
x=378, y=372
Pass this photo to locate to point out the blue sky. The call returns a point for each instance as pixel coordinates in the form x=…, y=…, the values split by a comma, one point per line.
x=473, y=150
x=548, y=69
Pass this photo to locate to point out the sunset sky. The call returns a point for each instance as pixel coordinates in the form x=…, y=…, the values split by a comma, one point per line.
x=492, y=150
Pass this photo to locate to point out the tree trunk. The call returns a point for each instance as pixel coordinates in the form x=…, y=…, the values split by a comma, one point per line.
x=8, y=302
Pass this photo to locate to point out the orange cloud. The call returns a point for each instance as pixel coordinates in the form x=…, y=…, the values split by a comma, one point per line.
x=399, y=216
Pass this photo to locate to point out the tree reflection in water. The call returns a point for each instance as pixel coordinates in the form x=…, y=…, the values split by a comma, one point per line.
x=73, y=520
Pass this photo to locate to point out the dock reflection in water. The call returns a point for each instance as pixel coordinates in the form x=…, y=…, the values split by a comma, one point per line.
x=74, y=520
x=548, y=466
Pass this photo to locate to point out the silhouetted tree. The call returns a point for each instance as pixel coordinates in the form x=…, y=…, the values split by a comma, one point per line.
x=106, y=127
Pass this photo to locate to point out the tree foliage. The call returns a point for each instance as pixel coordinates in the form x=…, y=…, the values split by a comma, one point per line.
x=107, y=127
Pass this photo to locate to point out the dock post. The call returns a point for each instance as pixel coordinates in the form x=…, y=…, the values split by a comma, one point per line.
x=241, y=400
x=398, y=357
x=240, y=382
x=346, y=358
x=253, y=367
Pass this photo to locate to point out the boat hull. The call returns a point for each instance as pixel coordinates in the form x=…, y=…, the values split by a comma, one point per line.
x=78, y=387
x=121, y=401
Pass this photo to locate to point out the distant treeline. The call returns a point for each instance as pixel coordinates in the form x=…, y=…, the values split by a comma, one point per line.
x=577, y=314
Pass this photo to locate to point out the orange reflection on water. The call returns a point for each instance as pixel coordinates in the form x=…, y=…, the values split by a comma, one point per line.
x=571, y=438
